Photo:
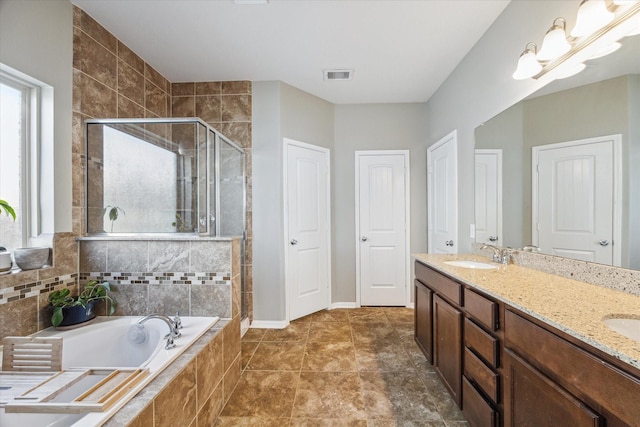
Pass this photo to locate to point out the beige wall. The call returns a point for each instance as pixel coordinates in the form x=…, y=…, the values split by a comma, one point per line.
x=373, y=127
x=481, y=87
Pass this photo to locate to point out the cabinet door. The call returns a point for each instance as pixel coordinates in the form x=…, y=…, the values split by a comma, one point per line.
x=447, y=346
x=531, y=399
x=423, y=319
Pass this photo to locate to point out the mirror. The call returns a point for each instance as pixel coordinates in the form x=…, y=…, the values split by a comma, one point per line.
x=515, y=204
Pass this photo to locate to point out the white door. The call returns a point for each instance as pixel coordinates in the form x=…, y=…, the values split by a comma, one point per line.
x=488, y=202
x=573, y=192
x=307, y=228
x=382, y=189
x=442, y=197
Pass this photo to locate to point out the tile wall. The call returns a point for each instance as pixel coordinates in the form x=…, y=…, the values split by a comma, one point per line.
x=110, y=80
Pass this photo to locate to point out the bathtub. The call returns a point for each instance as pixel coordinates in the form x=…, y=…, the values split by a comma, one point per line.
x=106, y=343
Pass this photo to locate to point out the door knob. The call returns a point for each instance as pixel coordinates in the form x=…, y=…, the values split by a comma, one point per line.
x=604, y=243
x=293, y=241
x=364, y=238
x=449, y=243
x=493, y=238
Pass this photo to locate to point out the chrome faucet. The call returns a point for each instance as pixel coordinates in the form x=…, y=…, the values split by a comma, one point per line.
x=173, y=328
x=502, y=256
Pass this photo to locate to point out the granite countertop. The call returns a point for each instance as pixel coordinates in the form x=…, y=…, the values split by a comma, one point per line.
x=574, y=307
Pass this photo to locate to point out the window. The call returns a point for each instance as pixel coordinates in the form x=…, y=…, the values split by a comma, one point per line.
x=20, y=130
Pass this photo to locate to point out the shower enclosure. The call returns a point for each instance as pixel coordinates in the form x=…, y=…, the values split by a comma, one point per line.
x=164, y=177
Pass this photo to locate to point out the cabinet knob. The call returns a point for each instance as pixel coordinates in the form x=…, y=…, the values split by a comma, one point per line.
x=449, y=243
x=364, y=238
x=603, y=243
x=293, y=241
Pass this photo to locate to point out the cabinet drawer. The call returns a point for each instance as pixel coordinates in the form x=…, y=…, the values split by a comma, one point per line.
x=483, y=344
x=439, y=283
x=482, y=309
x=583, y=374
x=476, y=410
x=481, y=375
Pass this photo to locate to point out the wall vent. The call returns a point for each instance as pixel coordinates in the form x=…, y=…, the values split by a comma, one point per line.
x=338, y=74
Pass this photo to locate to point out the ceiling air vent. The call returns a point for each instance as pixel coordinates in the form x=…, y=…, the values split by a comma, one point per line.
x=338, y=74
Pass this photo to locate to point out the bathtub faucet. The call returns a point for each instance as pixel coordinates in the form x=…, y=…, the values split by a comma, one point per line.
x=173, y=328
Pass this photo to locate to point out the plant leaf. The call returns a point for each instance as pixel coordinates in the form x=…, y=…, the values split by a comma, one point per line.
x=57, y=316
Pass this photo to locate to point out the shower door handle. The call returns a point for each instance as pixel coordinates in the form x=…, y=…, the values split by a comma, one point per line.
x=293, y=242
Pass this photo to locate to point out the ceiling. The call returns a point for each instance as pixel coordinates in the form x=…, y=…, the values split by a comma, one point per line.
x=400, y=51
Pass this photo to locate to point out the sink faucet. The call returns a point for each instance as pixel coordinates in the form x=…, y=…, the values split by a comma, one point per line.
x=501, y=256
x=173, y=328
x=530, y=248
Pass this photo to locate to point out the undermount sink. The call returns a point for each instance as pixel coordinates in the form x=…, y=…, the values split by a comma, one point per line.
x=471, y=264
x=630, y=328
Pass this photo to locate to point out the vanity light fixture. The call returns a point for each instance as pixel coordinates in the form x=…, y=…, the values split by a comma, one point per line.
x=555, y=42
x=596, y=34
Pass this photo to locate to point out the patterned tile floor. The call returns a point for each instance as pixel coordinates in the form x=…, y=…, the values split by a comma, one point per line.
x=344, y=367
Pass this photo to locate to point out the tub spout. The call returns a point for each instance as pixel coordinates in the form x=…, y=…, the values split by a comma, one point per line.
x=173, y=330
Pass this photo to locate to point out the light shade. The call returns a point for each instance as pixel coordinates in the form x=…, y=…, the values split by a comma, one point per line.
x=528, y=65
x=555, y=42
x=592, y=15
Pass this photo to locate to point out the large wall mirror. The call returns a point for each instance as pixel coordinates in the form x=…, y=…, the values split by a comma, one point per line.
x=561, y=169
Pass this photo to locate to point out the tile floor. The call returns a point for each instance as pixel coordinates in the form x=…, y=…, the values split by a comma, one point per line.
x=344, y=367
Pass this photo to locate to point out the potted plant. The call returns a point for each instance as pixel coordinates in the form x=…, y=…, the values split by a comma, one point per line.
x=68, y=310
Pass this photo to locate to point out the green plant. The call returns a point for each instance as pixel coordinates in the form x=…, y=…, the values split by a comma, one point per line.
x=93, y=291
x=113, y=213
x=8, y=210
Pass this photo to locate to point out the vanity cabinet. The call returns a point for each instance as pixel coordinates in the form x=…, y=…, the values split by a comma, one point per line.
x=438, y=326
x=567, y=382
x=504, y=367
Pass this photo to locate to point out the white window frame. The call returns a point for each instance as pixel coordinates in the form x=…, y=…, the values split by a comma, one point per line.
x=36, y=165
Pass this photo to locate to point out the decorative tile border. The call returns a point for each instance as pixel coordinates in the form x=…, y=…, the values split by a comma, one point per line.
x=33, y=289
x=159, y=278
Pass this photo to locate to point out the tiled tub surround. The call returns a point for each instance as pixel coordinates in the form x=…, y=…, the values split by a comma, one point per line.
x=194, y=276
x=617, y=278
x=193, y=390
x=574, y=307
x=112, y=81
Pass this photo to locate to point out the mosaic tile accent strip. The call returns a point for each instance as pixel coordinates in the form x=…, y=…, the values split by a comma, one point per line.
x=33, y=289
x=159, y=278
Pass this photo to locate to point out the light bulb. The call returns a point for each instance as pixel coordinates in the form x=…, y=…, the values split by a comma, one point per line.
x=555, y=42
x=528, y=65
x=592, y=15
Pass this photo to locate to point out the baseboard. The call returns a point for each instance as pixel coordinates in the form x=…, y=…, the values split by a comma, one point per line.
x=410, y=305
x=342, y=305
x=269, y=324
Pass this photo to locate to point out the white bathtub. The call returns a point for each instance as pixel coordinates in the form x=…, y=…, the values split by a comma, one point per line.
x=105, y=343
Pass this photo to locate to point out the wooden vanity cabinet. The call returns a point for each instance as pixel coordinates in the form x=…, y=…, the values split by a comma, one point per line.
x=438, y=326
x=576, y=386
x=506, y=368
